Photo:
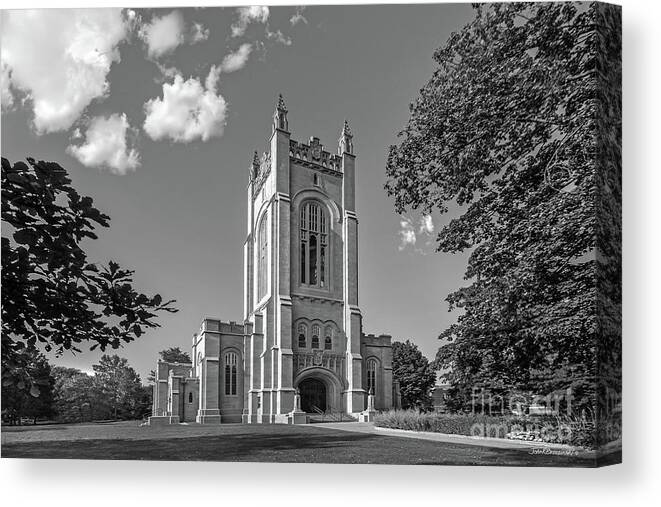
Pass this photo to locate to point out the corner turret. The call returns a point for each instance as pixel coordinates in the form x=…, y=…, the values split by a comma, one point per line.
x=254, y=166
x=280, y=121
x=345, y=143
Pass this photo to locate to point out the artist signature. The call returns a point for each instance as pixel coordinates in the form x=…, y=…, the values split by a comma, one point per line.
x=555, y=452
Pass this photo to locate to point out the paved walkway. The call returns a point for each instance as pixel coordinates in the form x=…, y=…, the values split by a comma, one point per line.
x=497, y=443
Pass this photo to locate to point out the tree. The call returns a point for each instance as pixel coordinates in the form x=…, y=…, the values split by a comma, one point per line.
x=120, y=385
x=414, y=373
x=143, y=402
x=520, y=129
x=77, y=396
x=51, y=295
x=171, y=355
x=18, y=402
x=174, y=355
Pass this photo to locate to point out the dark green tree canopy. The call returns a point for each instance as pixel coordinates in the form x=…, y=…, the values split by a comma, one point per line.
x=414, y=373
x=51, y=295
x=506, y=130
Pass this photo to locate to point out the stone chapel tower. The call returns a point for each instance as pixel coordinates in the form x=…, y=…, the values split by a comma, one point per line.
x=301, y=278
x=302, y=326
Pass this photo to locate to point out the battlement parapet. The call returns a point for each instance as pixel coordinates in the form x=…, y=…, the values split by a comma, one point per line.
x=219, y=326
x=313, y=154
x=376, y=339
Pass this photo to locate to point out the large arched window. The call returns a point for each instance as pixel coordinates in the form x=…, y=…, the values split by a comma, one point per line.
x=302, y=336
x=262, y=258
x=371, y=376
x=314, y=245
x=328, y=341
x=231, y=361
x=316, y=331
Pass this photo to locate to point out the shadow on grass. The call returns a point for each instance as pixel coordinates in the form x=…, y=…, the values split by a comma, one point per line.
x=38, y=427
x=48, y=426
x=300, y=446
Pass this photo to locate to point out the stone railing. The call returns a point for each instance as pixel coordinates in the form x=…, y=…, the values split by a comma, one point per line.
x=321, y=359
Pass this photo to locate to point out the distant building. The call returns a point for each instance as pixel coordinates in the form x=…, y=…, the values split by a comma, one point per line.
x=302, y=326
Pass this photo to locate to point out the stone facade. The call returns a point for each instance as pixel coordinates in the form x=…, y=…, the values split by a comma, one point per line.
x=301, y=348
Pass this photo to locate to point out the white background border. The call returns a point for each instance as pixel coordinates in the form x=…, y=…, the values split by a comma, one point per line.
x=636, y=482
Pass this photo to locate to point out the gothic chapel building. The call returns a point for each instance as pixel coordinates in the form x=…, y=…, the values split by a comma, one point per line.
x=300, y=350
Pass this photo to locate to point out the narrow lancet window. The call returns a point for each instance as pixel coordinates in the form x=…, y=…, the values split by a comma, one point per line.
x=262, y=259
x=315, y=336
x=371, y=376
x=313, y=259
x=302, y=336
x=230, y=373
x=328, y=341
x=314, y=245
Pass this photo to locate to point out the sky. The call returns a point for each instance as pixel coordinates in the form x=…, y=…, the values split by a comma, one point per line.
x=156, y=114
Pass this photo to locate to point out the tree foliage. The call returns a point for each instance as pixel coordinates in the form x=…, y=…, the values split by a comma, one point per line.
x=505, y=131
x=171, y=355
x=120, y=386
x=414, y=373
x=113, y=392
x=77, y=396
x=18, y=401
x=174, y=355
x=51, y=295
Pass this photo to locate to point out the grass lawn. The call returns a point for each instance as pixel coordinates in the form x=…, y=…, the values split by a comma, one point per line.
x=265, y=443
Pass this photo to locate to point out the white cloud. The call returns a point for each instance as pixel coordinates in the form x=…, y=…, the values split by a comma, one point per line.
x=199, y=33
x=409, y=236
x=298, y=17
x=61, y=58
x=237, y=60
x=105, y=145
x=257, y=14
x=187, y=111
x=406, y=233
x=279, y=37
x=426, y=225
x=164, y=34
x=247, y=15
x=6, y=98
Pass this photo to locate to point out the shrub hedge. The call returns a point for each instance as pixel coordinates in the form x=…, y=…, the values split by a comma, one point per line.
x=556, y=429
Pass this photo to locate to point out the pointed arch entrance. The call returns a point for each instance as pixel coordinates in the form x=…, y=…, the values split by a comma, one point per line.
x=321, y=388
x=313, y=395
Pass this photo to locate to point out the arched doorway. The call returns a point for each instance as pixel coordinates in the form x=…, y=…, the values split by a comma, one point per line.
x=313, y=395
